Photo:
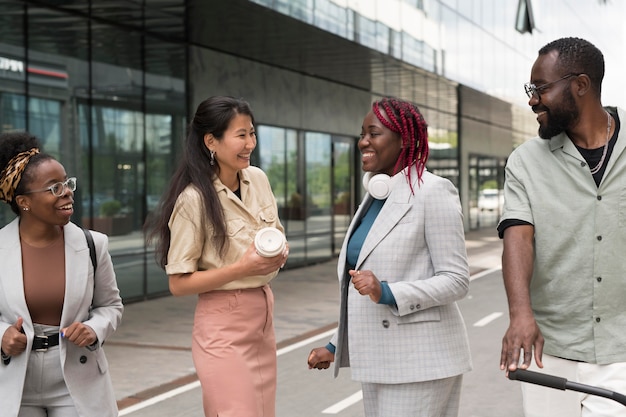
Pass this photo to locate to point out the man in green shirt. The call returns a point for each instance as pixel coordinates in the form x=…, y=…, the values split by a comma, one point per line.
x=564, y=231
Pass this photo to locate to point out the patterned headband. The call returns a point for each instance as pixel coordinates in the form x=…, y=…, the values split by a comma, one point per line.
x=11, y=175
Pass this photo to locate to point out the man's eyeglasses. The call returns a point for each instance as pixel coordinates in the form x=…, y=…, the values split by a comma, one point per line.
x=532, y=89
x=58, y=189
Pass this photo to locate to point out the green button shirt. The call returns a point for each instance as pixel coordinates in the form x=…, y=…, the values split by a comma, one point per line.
x=578, y=288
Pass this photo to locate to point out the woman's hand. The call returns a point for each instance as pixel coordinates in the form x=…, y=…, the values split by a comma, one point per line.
x=13, y=340
x=80, y=334
x=249, y=265
x=320, y=358
x=366, y=283
x=256, y=264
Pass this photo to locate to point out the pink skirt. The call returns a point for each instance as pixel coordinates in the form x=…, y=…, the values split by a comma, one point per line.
x=234, y=352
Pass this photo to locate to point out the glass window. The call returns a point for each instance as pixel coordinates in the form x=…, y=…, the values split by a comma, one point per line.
x=413, y=50
x=317, y=196
x=311, y=175
x=367, y=32
x=57, y=70
x=298, y=9
x=344, y=199
x=13, y=111
x=114, y=203
x=44, y=121
x=486, y=197
x=277, y=150
x=165, y=128
x=12, y=77
x=333, y=18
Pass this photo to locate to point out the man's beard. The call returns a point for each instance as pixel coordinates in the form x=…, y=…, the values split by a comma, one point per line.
x=561, y=118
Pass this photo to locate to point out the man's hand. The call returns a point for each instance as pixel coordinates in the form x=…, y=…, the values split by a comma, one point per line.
x=522, y=334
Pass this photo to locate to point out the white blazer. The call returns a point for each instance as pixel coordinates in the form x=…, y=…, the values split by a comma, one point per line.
x=86, y=371
x=417, y=245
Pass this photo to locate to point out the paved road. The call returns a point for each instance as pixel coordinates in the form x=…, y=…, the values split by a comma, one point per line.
x=153, y=375
x=305, y=393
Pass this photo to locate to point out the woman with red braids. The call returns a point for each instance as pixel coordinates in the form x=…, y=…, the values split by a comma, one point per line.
x=401, y=269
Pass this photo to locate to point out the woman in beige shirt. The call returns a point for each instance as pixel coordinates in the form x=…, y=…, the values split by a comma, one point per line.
x=204, y=233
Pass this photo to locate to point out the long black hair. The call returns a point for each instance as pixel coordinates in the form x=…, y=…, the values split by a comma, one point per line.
x=212, y=116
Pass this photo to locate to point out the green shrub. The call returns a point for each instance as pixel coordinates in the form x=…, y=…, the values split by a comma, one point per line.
x=110, y=208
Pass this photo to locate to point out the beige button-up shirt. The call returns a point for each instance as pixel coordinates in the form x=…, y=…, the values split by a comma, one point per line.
x=192, y=248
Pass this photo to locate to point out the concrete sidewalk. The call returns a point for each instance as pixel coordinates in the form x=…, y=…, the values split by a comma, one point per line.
x=151, y=351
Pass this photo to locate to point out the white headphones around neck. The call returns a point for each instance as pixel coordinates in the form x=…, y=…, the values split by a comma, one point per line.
x=378, y=185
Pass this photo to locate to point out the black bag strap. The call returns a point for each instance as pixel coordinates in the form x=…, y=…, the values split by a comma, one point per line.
x=92, y=250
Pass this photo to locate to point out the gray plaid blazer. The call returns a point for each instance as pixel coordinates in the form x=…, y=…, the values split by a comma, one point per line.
x=417, y=245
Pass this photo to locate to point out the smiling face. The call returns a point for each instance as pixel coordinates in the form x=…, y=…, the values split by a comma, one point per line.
x=233, y=150
x=380, y=147
x=43, y=206
x=555, y=106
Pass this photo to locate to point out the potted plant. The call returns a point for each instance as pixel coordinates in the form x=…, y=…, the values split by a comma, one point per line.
x=112, y=221
x=295, y=209
x=342, y=203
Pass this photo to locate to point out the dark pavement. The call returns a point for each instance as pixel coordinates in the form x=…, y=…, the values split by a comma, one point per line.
x=151, y=351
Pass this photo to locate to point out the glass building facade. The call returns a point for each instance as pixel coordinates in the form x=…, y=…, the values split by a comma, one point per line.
x=109, y=86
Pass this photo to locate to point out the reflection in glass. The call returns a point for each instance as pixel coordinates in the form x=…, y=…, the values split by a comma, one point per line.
x=443, y=141
x=317, y=195
x=343, y=196
x=165, y=126
x=277, y=149
x=44, y=121
x=315, y=203
x=106, y=101
x=12, y=112
x=486, y=194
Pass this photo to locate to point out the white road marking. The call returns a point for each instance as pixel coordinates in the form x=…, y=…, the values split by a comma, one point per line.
x=343, y=404
x=304, y=342
x=157, y=399
x=334, y=409
x=196, y=384
x=488, y=319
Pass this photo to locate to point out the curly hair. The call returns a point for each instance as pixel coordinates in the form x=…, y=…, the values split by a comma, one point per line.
x=405, y=119
x=13, y=143
x=578, y=56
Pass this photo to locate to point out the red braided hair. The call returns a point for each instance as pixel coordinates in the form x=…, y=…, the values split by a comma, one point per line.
x=405, y=119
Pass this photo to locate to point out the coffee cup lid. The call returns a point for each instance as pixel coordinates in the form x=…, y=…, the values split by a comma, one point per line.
x=269, y=241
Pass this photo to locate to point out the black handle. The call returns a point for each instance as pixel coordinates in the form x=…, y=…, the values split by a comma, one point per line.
x=537, y=378
x=556, y=382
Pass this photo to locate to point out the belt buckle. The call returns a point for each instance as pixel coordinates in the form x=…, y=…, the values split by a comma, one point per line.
x=44, y=341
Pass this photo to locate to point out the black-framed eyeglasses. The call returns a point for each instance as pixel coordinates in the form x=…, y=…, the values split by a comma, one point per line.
x=531, y=89
x=58, y=189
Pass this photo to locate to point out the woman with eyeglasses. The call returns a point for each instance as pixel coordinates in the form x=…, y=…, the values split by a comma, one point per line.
x=56, y=307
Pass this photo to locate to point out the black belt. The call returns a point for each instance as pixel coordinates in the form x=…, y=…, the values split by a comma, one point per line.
x=42, y=343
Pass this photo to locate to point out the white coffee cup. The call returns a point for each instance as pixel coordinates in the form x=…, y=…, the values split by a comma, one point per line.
x=269, y=242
